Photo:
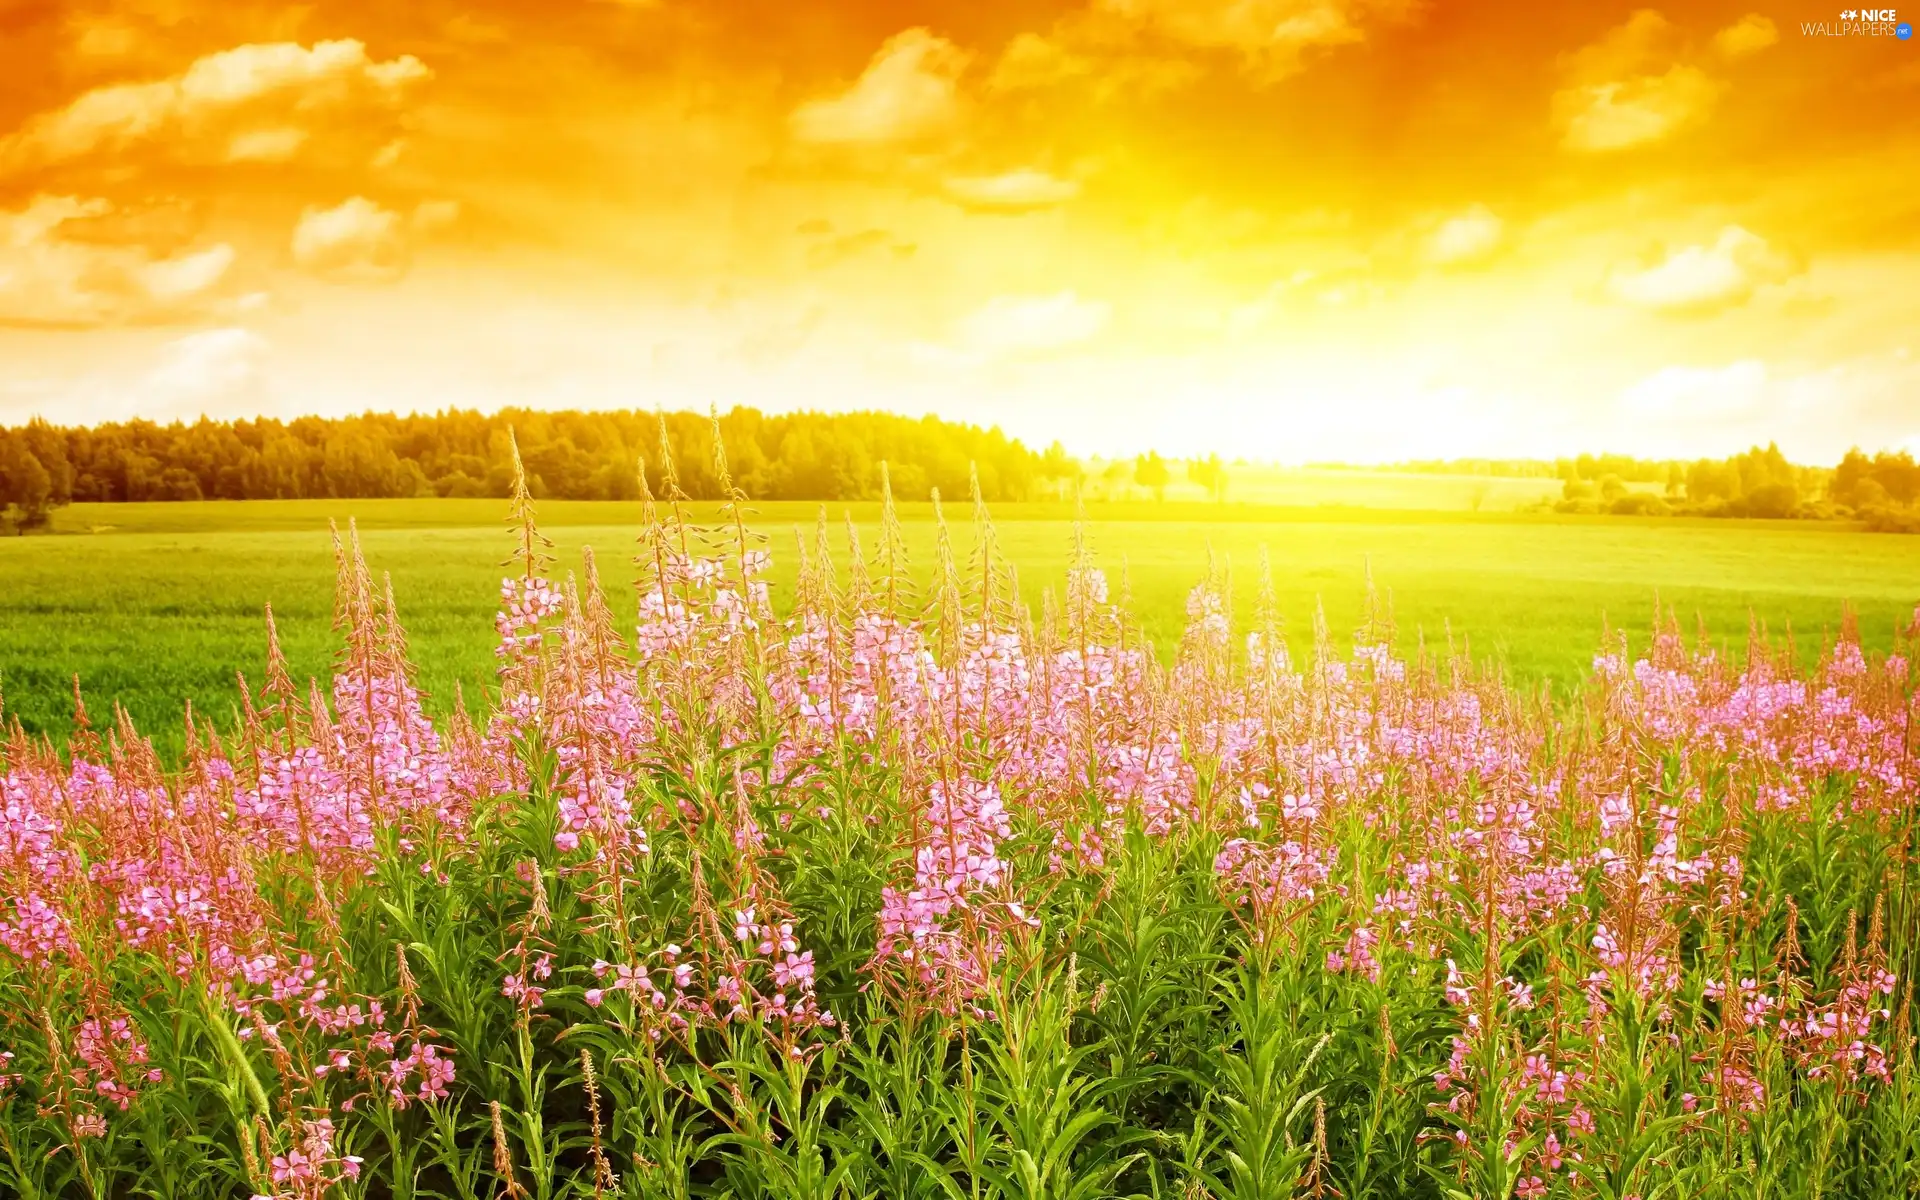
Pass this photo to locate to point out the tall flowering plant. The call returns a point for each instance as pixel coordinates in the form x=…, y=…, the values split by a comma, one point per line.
x=888, y=884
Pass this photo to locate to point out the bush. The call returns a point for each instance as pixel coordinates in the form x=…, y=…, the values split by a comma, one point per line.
x=1888, y=519
x=1771, y=500
x=1639, y=504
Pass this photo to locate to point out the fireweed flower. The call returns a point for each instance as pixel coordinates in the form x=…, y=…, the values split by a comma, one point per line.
x=1399, y=825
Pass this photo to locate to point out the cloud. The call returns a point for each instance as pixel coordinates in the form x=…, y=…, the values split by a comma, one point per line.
x=1749, y=35
x=1035, y=61
x=1468, y=238
x=216, y=373
x=1255, y=27
x=187, y=276
x=103, y=35
x=1628, y=90
x=358, y=241
x=1271, y=36
x=1022, y=324
x=1699, y=280
x=266, y=145
x=58, y=269
x=1012, y=192
x=831, y=251
x=1702, y=279
x=432, y=215
x=909, y=91
x=253, y=102
x=1144, y=46
x=1632, y=112
x=1684, y=393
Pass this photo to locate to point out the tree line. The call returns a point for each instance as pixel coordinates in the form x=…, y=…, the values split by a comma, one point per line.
x=568, y=455
x=1882, y=489
x=800, y=456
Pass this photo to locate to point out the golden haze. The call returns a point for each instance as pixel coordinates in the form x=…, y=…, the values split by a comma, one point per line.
x=1364, y=229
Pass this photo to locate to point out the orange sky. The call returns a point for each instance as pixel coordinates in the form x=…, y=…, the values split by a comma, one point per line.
x=1366, y=229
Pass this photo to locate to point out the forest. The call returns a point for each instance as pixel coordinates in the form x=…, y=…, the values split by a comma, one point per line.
x=568, y=455
x=804, y=456
x=1881, y=489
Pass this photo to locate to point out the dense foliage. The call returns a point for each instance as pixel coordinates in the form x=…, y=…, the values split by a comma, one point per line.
x=919, y=897
x=1882, y=489
x=568, y=455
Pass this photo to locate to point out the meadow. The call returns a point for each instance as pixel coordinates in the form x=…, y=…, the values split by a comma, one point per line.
x=895, y=892
x=153, y=605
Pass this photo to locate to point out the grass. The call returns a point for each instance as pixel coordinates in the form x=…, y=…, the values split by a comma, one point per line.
x=151, y=604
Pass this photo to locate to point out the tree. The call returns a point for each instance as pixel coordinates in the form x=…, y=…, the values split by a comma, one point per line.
x=1868, y=495
x=1150, y=471
x=1065, y=472
x=572, y=455
x=1854, y=469
x=26, y=488
x=1211, y=474
x=1708, y=481
x=1899, y=475
x=1772, y=500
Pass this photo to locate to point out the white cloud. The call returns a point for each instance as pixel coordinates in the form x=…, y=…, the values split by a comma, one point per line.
x=1034, y=61
x=102, y=35
x=356, y=241
x=222, y=96
x=1270, y=35
x=1018, y=324
x=245, y=73
x=1687, y=393
x=1628, y=89
x=216, y=373
x=430, y=215
x=1704, y=279
x=279, y=144
x=187, y=275
x=1014, y=191
x=1619, y=114
x=909, y=91
x=1141, y=47
x=42, y=217
x=1467, y=238
x=49, y=276
x=1254, y=314
x=1749, y=35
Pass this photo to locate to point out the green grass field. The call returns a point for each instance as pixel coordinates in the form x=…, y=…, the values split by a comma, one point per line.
x=151, y=604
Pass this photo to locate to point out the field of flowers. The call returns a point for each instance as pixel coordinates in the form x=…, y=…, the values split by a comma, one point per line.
x=914, y=893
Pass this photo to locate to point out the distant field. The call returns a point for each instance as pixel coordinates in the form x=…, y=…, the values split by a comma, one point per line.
x=1400, y=490
x=164, y=601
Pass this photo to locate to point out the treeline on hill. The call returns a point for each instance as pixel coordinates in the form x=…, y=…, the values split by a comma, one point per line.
x=1881, y=489
x=807, y=456
x=568, y=455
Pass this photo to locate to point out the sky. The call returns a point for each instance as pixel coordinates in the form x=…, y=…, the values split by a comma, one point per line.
x=1366, y=230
